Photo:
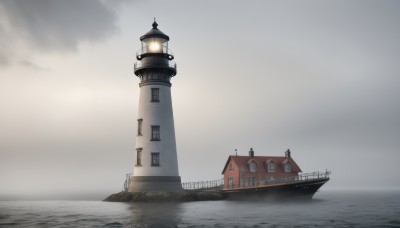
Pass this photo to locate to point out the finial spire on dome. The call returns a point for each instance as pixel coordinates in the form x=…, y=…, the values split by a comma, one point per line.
x=155, y=23
x=154, y=32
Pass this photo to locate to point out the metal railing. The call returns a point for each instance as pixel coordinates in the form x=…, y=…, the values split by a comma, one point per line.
x=282, y=180
x=204, y=185
x=138, y=65
x=147, y=50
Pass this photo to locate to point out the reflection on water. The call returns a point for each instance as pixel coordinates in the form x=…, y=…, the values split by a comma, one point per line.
x=155, y=214
x=326, y=210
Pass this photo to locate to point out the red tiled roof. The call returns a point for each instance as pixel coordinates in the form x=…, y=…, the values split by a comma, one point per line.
x=242, y=161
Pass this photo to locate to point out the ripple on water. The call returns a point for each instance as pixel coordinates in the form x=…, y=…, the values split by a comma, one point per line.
x=394, y=222
x=9, y=224
x=333, y=211
x=114, y=224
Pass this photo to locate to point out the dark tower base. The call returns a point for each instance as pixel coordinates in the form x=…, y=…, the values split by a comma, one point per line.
x=155, y=184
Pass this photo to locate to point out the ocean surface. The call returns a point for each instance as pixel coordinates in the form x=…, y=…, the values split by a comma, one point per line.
x=327, y=209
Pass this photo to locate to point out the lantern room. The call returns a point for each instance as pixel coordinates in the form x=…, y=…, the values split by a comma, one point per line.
x=154, y=56
x=154, y=42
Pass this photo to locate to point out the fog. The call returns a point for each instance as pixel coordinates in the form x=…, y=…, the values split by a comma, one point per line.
x=318, y=77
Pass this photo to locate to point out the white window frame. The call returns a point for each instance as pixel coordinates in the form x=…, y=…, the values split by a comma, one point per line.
x=287, y=168
x=271, y=167
x=253, y=167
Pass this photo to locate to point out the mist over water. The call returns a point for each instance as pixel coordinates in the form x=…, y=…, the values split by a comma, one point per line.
x=327, y=209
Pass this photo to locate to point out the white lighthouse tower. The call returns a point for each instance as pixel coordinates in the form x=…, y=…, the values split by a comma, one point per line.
x=156, y=165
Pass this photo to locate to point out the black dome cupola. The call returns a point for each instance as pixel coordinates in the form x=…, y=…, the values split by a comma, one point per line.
x=154, y=32
x=154, y=57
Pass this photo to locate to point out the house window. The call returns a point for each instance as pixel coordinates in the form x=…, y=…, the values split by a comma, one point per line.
x=155, y=159
x=270, y=180
x=138, y=156
x=241, y=177
x=252, y=181
x=155, y=133
x=271, y=167
x=139, y=128
x=230, y=167
x=230, y=182
x=155, y=95
x=287, y=168
x=253, y=167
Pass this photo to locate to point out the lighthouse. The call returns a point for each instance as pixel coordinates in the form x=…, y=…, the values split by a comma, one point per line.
x=156, y=161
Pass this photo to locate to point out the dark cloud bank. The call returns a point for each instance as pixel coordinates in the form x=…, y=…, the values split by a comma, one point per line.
x=52, y=25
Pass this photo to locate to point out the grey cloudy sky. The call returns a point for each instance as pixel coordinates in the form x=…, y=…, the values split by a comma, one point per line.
x=319, y=77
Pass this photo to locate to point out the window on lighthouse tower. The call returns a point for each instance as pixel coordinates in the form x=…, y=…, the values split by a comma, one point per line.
x=155, y=95
x=139, y=157
x=155, y=133
x=155, y=159
x=140, y=123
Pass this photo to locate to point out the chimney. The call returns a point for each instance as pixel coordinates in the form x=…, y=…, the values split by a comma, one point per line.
x=287, y=153
x=251, y=152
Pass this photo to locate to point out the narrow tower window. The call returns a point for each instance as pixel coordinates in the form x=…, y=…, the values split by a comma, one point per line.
x=155, y=95
x=138, y=156
x=155, y=159
x=155, y=133
x=139, y=129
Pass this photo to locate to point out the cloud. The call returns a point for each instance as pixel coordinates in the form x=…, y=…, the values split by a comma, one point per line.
x=32, y=65
x=53, y=25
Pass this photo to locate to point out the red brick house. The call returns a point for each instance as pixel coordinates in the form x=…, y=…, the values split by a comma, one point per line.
x=250, y=171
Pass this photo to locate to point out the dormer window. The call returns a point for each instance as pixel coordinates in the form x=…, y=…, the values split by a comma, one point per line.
x=253, y=167
x=271, y=167
x=287, y=168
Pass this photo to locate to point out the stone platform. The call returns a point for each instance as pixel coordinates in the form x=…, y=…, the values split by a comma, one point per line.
x=184, y=196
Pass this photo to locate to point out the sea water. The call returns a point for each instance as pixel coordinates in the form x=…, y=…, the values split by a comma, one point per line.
x=327, y=209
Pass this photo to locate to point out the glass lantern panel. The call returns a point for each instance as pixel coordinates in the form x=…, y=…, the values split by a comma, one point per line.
x=154, y=45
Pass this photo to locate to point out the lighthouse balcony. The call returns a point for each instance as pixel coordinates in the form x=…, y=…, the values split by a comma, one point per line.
x=154, y=50
x=139, y=65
